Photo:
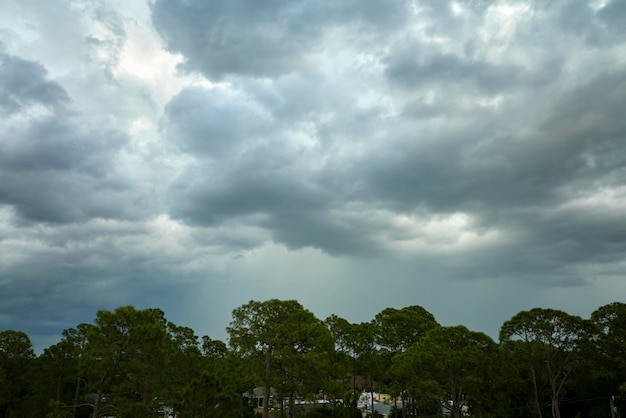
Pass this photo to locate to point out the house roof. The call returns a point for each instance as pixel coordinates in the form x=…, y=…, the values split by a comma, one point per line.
x=258, y=392
x=360, y=382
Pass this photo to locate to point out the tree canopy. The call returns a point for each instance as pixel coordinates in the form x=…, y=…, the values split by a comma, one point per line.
x=135, y=363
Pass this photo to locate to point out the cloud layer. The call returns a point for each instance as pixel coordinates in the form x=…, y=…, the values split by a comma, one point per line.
x=195, y=155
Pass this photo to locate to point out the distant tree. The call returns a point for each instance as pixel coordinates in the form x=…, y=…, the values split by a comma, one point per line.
x=610, y=322
x=134, y=363
x=288, y=340
x=16, y=358
x=608, y=349
x=125, y=361
x=339, y=329
x=212, y=394
x=396, y=330
x=56, y=377
x=343, y=363
x=362, y=341
x=421, y=394
x=183, y=362
x=512, y=386
x=215, y=350
x=552, y=341
x=77, y=338
x=452, y=364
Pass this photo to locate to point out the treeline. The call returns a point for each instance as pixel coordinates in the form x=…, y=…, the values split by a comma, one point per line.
x=135, y=363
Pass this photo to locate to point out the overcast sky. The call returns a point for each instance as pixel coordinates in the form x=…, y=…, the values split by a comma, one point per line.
x=466, y=156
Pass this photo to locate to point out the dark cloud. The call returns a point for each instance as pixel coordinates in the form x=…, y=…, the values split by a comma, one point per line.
x=253, y=39
x=55, y=144
x=510, y=166
x=613, y=14
x=55, y=167
x=264, y=176
x=510, y=180
x=63, y=176
x=24, y=83
x=416, y=65
x=76, y=271
x=577, y=143
x=456, y=153
x=263, y=190
x=59, y=198
x=213, y=122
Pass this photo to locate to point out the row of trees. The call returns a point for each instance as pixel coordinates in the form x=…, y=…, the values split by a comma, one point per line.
x=135, y=363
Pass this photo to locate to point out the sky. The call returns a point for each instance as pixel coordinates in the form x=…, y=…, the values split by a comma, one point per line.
x=466, y=156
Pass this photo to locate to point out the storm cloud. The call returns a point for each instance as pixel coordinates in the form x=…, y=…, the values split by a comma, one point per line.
x=194, y=155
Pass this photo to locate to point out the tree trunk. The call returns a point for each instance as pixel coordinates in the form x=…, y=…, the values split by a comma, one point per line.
x=535, y=389
x=456, y=402
x=58, y=397
x=556, y=413
x=76, y=393
x=96, y=405
x=354, y=398
x=555, y=391
x=266, y=389
x=372, y=394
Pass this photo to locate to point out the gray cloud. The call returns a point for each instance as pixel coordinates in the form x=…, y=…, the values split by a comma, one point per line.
x=467, y=156
x=52, y=168
x=268, y=39
x=411, y=68
x=75, y=270
x=511, y=166
x=213, y=121
x=613, y=14
x=262, y=189
x=24, y=83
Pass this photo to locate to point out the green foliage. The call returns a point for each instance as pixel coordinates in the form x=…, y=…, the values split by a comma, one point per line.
x=212, y=395
x=551, y=349
x=610, y=323
x=607, y=353
x=449, y=363
x=125, y=359
x=59, y=413
x=397, y=329
x=16, y=360
x=285, y=344
x=134, y=363
x=321, y=412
